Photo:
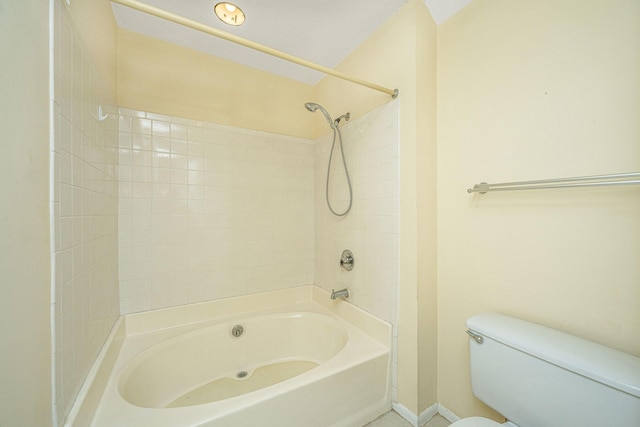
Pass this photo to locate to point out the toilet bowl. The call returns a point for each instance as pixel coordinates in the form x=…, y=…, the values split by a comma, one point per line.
x=480, y=422
x=477, y=422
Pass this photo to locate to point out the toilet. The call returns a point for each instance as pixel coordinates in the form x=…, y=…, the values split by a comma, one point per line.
x=539, y=377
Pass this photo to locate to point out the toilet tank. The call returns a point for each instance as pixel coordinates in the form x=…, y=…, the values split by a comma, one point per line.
x=539, y=377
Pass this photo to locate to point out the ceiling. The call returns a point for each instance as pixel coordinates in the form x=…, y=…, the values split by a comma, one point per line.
x=321, y=31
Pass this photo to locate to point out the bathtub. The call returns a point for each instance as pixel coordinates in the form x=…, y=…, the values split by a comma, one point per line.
x=285, y=358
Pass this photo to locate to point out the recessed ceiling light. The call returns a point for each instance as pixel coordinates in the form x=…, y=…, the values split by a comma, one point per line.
x=229, y=13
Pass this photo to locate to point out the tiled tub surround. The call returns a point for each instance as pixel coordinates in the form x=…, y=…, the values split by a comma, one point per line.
x=331, y=394
x=371, y=229
x=209, y=211
x=84, y=212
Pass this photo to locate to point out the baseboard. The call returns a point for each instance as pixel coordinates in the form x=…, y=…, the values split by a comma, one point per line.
x=425, y=416
x=401, y=410
x=445, y=413
x=413, y=419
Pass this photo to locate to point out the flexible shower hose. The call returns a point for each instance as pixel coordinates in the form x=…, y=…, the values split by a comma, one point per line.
x=336, y=129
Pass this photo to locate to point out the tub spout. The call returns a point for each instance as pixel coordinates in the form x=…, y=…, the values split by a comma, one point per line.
x=342, y=293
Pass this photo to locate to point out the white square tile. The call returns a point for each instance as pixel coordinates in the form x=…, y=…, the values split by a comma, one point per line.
x=141, y=126
x=160, y=128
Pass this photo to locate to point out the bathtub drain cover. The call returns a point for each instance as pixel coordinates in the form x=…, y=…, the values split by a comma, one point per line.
x=241, y=374
x=237, y=331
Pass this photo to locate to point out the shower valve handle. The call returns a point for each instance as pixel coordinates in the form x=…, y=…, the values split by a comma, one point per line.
x=346, y=260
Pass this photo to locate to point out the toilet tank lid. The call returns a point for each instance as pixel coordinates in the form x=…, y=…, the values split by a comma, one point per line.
x=603, y=364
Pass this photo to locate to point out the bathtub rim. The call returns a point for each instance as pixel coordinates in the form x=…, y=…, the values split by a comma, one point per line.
x=196, y=313
x=193, y=315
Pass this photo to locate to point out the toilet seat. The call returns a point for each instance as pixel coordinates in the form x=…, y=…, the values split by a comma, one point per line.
x=475, y=422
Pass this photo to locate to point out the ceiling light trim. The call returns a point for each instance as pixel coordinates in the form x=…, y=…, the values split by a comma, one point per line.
x=229, y=13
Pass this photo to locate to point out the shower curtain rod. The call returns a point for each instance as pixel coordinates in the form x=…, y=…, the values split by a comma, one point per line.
x=250, y=44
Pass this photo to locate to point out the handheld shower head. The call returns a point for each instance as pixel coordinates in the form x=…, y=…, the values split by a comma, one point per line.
x=312, y=106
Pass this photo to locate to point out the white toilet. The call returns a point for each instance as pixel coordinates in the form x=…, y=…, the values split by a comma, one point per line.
x=540, y=377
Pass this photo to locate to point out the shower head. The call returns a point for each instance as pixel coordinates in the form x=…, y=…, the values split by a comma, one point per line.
x=312, y=106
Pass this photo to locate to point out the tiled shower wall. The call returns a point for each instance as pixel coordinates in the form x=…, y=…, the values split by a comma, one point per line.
x=209, y=211
x=85, y=212
x=371, y=228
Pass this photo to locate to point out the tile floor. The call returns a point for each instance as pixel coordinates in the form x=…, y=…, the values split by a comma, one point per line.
x=392, y=419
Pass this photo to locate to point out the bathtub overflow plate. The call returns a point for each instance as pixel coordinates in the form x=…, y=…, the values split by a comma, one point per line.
x=237, y=331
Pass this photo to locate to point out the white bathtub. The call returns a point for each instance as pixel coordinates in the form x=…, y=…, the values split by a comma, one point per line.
x=301, y=361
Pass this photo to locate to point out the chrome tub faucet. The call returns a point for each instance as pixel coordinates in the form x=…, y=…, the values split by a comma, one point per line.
x=342, y=293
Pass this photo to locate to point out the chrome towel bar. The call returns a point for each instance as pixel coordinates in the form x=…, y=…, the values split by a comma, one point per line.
x=632, y=178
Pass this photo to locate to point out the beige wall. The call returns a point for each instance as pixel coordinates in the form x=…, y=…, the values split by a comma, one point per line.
x=393, y=57
x=25, y=359
x=160, y=77
x=95, y=22
x=426, y=171
x=534, y=90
